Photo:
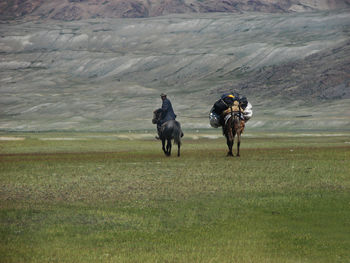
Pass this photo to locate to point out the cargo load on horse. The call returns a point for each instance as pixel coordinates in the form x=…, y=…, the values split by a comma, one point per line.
x=227, y=103
x=231, y=112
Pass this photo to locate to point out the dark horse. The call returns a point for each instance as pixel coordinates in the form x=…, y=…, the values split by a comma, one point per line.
x=170, y=130
x=233, y=126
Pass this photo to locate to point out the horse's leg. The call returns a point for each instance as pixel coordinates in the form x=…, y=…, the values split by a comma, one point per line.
x=238, y=142
x=229, y=137
x=233, y=137
x=163, y=146
x=229, y=145
x=168, y=147
x=178, y=149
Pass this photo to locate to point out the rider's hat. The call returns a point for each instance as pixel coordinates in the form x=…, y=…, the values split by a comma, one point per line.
x=163, y=95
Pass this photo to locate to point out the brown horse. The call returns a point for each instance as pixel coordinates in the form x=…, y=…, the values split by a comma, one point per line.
x=170, y=130
x=233, y=126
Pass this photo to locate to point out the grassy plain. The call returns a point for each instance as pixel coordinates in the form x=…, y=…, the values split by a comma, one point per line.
x=103, y=198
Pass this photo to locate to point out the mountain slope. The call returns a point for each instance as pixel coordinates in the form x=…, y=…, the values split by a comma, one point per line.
x=107, y=74
x=323, y=76
x=85, y=9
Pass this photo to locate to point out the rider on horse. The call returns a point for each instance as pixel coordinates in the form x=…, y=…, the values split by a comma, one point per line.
x=167, y=113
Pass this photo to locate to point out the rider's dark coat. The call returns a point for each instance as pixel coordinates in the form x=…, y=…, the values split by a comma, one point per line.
x=168, y=112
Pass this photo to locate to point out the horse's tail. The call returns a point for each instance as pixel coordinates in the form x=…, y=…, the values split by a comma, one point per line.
x=177, y=133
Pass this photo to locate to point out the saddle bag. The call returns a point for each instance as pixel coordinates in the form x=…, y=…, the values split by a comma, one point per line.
x=214, y=119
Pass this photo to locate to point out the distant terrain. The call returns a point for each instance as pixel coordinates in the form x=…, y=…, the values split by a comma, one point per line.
x=106, y=74
x=85, y=9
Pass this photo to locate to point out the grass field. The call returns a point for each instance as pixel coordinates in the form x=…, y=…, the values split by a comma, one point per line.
x=106, y=198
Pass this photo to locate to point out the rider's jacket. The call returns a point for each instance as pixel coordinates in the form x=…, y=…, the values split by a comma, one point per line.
x=168, y=112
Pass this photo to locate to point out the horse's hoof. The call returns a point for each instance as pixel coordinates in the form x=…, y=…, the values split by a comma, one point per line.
x=229, y=155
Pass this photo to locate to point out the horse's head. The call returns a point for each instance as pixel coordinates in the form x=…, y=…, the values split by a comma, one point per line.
x=157, y=114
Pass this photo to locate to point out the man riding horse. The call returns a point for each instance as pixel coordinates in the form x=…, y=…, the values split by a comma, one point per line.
x=167, y=113
x=168, y=128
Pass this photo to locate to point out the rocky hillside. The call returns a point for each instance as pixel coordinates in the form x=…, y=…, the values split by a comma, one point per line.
x=85, y=9
x=107, y=74
x=323, y=76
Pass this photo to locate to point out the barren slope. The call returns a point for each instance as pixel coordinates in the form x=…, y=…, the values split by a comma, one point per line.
x=84, y=9
x=106, y=74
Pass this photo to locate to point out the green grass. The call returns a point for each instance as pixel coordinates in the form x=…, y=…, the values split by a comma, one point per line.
x=102, y=199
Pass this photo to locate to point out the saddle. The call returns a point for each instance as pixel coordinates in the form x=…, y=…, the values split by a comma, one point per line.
x=235, y=109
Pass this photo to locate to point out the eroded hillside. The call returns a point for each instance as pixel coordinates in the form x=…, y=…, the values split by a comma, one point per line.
x=107, y=74
x=85, y=9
